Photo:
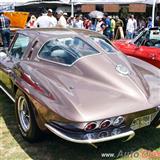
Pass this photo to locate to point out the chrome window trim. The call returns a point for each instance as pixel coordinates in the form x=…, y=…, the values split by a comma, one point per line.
x=68, y=65
x=5, y=91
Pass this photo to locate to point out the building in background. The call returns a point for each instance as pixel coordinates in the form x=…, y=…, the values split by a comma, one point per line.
x=36, y=7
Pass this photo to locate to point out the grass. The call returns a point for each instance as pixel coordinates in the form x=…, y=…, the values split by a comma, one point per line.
x=13, y=146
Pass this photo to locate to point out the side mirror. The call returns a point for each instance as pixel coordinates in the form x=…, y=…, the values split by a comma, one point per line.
x=3, y=55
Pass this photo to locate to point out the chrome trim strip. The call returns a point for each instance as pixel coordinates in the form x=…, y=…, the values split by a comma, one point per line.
x=7, y=94
x=67, y=65
x=89, y=141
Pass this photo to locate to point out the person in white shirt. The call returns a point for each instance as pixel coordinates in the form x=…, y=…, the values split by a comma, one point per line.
x=61, y=19
x=100, y=25
x=44, y=21
x=70, y=21
x=78, y=23
x=50, y=14
x=135, y=22
x=131, y=27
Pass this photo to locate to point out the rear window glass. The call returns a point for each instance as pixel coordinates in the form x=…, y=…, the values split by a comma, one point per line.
x=66, y=50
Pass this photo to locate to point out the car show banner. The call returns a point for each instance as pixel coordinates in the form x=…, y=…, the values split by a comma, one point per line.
x=18, y=19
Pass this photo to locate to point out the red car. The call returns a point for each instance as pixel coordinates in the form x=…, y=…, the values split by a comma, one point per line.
x=145, y=46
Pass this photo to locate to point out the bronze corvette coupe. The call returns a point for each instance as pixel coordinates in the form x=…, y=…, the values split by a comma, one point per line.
x=77, y=85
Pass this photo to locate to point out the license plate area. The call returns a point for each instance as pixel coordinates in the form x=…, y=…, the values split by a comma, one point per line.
x=143, y=121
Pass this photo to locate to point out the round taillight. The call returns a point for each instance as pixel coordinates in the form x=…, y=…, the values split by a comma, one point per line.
x=90, y=126
x=105, y=124
x=119, y=120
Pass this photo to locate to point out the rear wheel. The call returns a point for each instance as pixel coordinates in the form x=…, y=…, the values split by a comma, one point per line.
x=156, y=121
x=25, y=118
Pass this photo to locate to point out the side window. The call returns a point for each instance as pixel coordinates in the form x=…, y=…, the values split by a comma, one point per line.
x=19, y=46
x=57, y=54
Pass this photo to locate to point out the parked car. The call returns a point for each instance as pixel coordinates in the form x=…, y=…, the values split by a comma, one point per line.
x=77, y=85
x=145, y=46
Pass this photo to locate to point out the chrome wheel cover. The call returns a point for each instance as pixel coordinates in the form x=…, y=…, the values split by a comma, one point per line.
x=24, y=113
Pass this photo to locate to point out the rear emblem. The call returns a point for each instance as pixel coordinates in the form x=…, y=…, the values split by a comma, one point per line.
x=122, y=69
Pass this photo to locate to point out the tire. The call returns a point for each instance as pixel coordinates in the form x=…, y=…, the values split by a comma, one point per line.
x=25, y=118
x=156, y=121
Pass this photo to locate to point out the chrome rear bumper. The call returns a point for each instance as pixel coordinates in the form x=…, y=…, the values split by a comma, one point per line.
x=89, y=139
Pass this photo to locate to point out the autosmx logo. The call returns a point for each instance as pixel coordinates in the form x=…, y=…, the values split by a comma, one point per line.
x=132, y=154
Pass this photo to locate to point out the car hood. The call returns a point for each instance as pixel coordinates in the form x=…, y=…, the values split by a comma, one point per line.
x=122, y=41
x=92, y=88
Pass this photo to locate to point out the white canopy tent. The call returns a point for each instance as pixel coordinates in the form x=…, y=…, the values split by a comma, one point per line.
x=72, y=2
x=7, y=5
x=109, y=1
x=4, y=4
x=15, y=2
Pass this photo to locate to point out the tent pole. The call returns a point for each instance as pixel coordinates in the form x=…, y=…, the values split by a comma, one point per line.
x=153, y=12
x=72, y=8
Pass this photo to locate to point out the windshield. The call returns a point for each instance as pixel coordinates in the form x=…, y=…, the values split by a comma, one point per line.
x=140, y=38
x=150, y=38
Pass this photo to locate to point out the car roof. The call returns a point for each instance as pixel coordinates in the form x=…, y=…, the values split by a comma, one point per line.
x=57, y=32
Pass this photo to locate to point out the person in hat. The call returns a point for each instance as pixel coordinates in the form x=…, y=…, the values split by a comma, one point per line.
x=5, y=30
x=61, y=19
x=44, y=21
x=31, y=22
x=50, y=14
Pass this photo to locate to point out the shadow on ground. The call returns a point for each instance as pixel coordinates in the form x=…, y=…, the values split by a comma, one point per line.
x=54, y=148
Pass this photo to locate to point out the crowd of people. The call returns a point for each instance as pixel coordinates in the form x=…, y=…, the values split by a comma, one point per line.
x=111, y=26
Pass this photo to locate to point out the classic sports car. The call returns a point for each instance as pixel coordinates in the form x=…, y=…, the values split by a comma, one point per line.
x=77, y=85
x=145, y=46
